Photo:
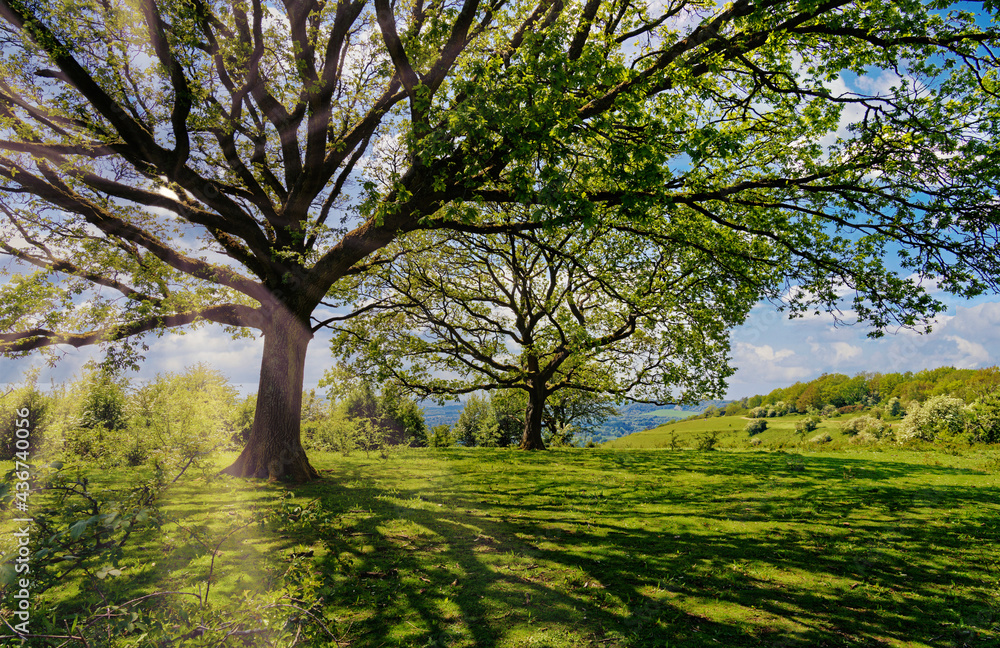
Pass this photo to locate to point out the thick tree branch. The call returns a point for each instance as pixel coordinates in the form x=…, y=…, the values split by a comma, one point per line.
x=227, y=314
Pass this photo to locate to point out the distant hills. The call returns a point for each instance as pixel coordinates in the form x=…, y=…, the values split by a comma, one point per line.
x=633, y=417
x=829, y=391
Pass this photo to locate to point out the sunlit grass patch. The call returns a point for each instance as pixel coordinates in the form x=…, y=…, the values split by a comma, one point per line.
x=474, y=547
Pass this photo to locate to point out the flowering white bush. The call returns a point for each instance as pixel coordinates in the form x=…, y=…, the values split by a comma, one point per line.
x=867, y=427
x=939, y=416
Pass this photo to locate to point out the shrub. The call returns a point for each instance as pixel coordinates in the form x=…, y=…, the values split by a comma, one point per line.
x=984, y=419
x=869, y=426
x=756, y=426
x=862, y=438
x=441, y=437
x=706, y=442
x=182, y=417
x=822, y=437
x=105, y=403
x=807, y=424
x=850, y=409
x=829, y=411
x=37, y=405
x=757, y=412
x=755, y=442
x=333, y=433
x=940, y=416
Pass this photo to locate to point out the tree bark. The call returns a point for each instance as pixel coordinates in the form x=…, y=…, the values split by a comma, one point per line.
x=274, y=448
x=532, y=439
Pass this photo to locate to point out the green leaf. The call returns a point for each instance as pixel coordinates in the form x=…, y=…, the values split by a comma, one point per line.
x=78, y=528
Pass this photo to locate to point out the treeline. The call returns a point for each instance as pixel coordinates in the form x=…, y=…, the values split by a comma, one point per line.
x=844, y=394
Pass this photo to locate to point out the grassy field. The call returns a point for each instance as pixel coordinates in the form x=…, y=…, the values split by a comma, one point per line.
x=780, y=433
x=574, y=548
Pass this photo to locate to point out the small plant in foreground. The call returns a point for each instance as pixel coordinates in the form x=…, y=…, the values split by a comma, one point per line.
x=706, y=442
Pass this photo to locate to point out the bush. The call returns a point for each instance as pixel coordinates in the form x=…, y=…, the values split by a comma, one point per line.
x=37, y=405
x=756, y=426
x=182, y=418
x=822, y=437
x=984, y=419
x=105, y=404
x=332, y=433
x=807, y=424
x=850, y=409
x=869, y=426
x=706, y=442
x=441, y=436
x=757, y=412
x=894, y=408
x=940, y=416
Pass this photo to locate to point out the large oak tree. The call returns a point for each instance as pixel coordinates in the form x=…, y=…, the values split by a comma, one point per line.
x=167, y=163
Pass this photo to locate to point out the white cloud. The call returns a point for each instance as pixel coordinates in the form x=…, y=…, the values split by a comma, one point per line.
x=835, y=353
x=771, y=351
x=973, y=353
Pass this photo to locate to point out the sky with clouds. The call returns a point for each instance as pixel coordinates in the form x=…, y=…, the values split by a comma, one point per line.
x=769, y=350
x=772, y=351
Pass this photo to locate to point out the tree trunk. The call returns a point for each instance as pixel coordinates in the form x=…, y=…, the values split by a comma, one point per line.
x=274, y=449
x=532, y=439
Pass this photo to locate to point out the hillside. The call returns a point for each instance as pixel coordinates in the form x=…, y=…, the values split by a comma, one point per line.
x=730, y=433
x=957, y=404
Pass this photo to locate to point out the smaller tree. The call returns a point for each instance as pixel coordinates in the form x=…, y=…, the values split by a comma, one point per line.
x=756, y=426
x=105, y=404
x=477, y=424
x=508, y=407
x=384, y=416
x=574, y=413
x=733, y=409
x=894, y=408
x=26, y=398
x=581, y=308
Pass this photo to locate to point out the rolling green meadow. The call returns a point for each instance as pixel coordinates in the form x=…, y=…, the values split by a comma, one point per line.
x=730, y=434
x=572, y=547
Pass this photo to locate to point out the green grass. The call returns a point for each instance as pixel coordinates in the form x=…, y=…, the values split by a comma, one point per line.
x=607, y=548
x=780, y=433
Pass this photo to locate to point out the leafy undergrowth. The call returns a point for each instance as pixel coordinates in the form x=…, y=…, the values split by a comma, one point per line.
x=587, y=548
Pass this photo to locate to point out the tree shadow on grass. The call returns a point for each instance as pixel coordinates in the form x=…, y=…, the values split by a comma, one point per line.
x=652, y=549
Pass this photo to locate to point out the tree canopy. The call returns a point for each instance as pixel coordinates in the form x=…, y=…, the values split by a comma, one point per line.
x=577, y=308
x=168, y=163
